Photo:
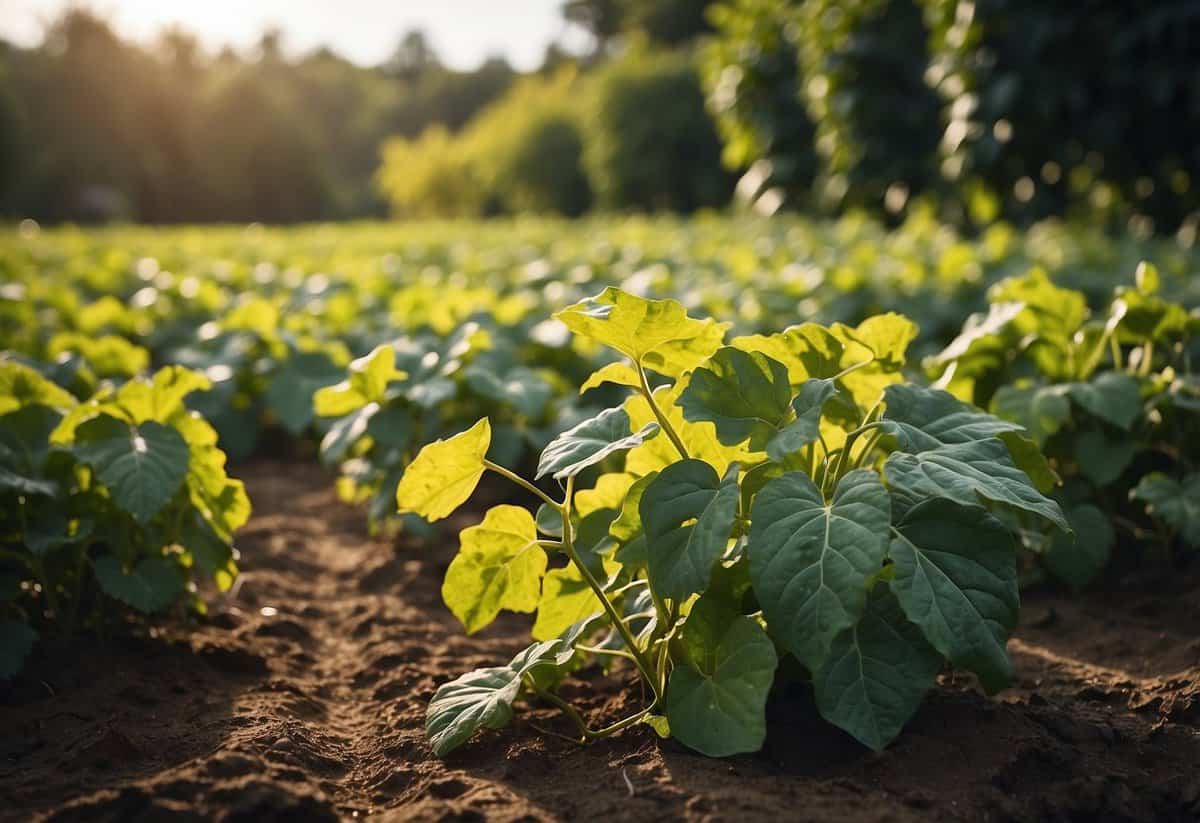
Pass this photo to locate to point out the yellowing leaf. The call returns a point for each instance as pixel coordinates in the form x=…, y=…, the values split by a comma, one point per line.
x=608, y=493
x=635, y=327
x=499, y=566
x=445, y=473
x=621, y=374
x=21, y=386
x=367, y=383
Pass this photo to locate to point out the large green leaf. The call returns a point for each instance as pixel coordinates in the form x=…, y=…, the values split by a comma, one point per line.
x=142, y=465
x=806, y=428
x=956, y=578
x=745, y=395
x=716, y=697
x=523, y=389
x=968, y=473
x=1111, y=396
x=810, y=561
x=590, y=442
x=1104, y=455
x=152, y=585
x=14, y=482
x=687, y=513
x=1176, y=503
x=499, y=565
x=922, y=419
x=877, y=673
x=445, y=473
x=1078, y=562
x=1041, y=410
x=16, y=642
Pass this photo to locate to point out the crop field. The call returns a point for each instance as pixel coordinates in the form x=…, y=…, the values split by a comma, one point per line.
x=649, y=517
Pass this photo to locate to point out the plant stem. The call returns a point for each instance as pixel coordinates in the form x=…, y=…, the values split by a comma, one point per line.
x=571, y=712
x=850, y=369
x=522, y=482
x=658, y=413
x=581, y=647
x=598, y=590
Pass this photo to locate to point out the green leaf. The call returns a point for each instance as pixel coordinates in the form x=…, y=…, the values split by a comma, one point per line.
x=1080, y=561
x=142, y=465
x=549, y=520
x=11, y=481
x=1111, y=396
x=445, y=473
x=808, y=350
x=1029, y=459
x=391, y=426
x=968, y=473
x=922, y=419
x=213, y=555
x=877, y=673
x=1103, y=458
x=687, y=513
x=345, y=432
x=16, y=642
x=980, y=334
x=590, y=442
x=290, y=395
x=810, y=561
x=716, y=697
x=745, y=395
x=956, y=578
x=635, y=327
x=499, y=565
x=523, y=389
x=888, y=336
x=481, y=699
x=151, y=586
x=1040, y=410
x=1173, y=502
x=806, y=428
x=52, y=528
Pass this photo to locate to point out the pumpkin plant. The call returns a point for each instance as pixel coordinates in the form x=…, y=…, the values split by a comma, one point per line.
x=1111, y=398
x=782, y=494
x=120, y=500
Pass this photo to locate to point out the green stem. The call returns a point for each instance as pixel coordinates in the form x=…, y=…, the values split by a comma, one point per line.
x=598, y=590
x=658, y=413
x=522, y=482
x=576, y=718
x=580, y=647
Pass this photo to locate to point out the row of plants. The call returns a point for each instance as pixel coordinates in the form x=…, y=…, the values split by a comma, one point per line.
x=785, y=496
x=118, y=498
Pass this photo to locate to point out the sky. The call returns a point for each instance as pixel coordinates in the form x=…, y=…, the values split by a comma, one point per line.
x=463, y=32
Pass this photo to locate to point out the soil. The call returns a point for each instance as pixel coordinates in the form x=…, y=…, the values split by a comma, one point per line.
x=302, y=697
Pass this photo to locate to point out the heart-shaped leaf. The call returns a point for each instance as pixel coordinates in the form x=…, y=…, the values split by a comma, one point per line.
x=806, y=428
x=810, y=560
x=922, y=419
x=956, y=578
x=1111, y=396
x=152, y=585
x=1176, y=503
x=142, y=465
x=716, y=698
x=877, y=673
x=687, y=513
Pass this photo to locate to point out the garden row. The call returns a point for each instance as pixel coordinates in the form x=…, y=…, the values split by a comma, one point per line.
x=834, y=455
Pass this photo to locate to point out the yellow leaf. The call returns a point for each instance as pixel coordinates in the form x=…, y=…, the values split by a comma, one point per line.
x=445, y=473
x=499, y=566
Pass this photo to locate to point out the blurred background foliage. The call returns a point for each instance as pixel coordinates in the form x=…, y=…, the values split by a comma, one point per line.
x=977, y=109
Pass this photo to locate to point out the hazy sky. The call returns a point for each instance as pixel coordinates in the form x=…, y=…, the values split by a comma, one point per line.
x=464, y=32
